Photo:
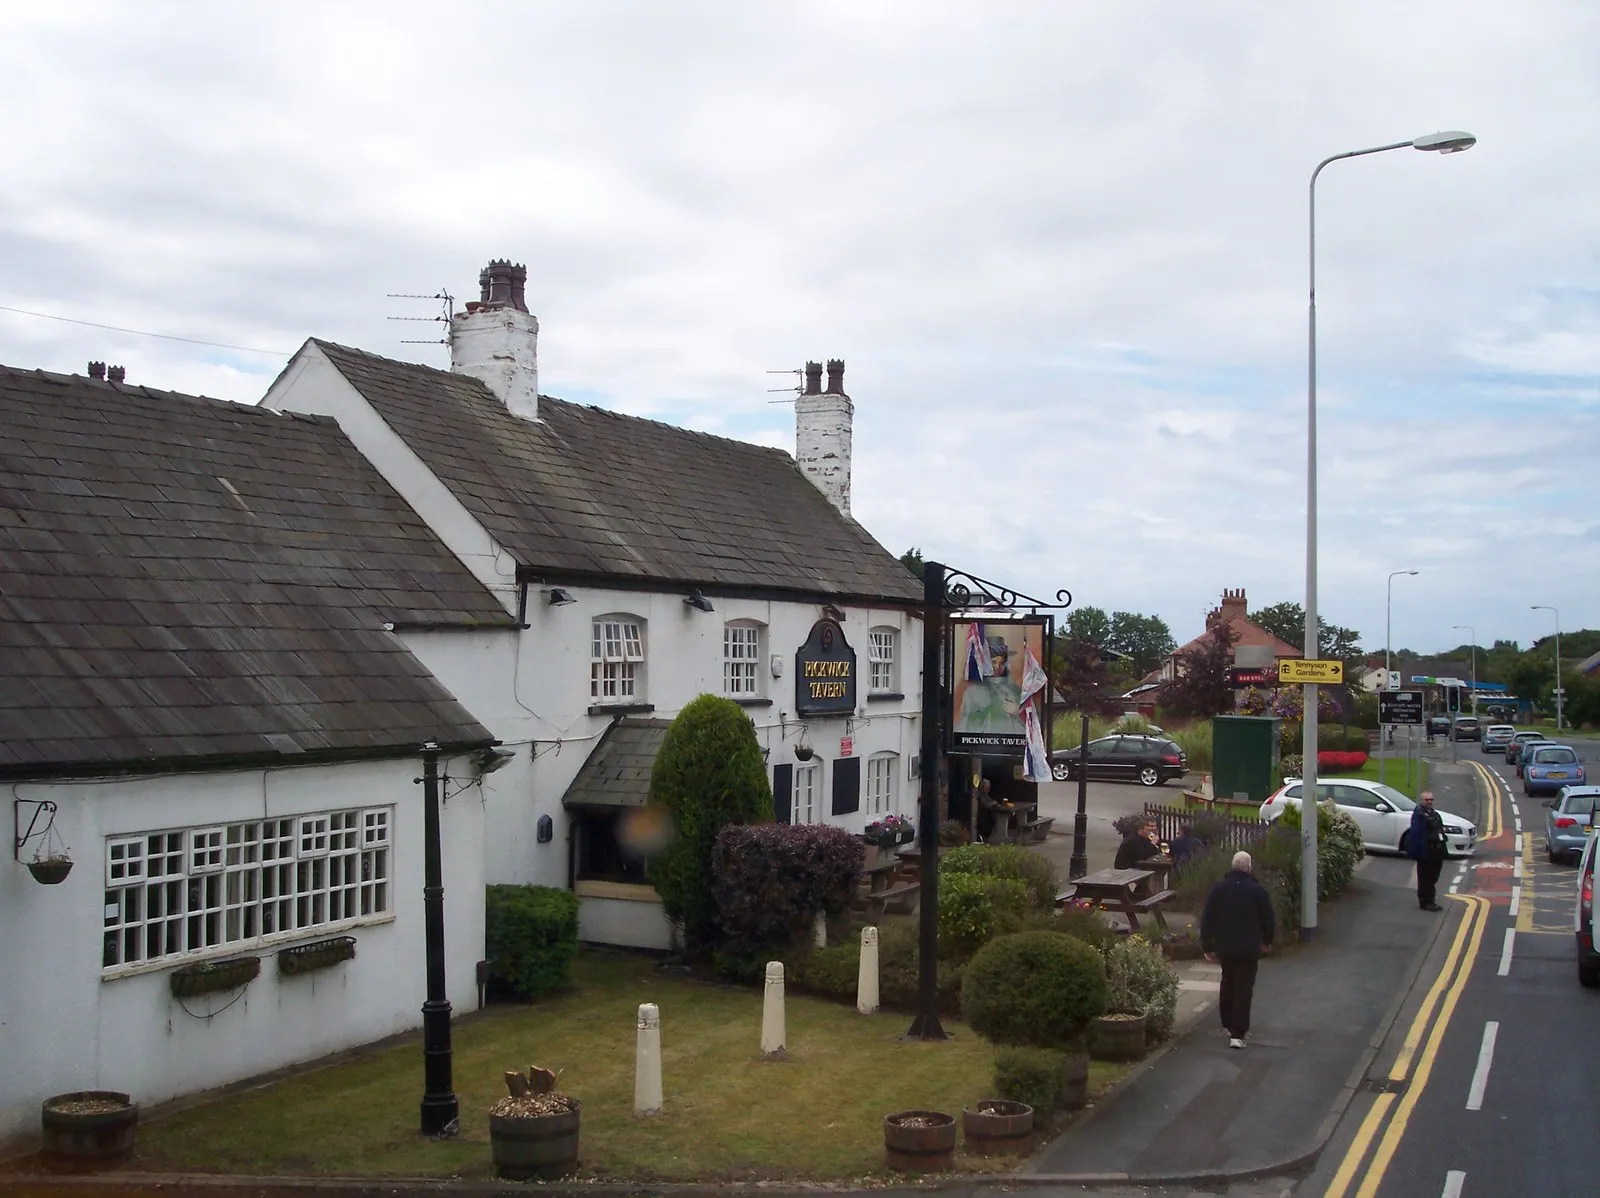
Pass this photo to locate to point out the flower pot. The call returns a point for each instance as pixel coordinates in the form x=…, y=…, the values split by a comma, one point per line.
x=535, y=1147
x=1117, y=1036
x=50, y=872
x=919, y=1141
x=997, y=1128
x=1075, y=1086
x=88, y=1129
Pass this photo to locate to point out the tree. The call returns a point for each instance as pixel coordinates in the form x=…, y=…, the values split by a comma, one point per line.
x=1088, y=624
x=1079, y=673
x=1145, y=639
x=1287, y=622
x=708, y=773
x=911, y=559
x=1200, y=686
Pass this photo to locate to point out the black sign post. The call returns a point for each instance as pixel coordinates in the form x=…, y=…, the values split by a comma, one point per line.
x=1399, y=707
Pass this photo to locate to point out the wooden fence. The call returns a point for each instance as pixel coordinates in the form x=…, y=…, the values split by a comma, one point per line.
x=1222, y=831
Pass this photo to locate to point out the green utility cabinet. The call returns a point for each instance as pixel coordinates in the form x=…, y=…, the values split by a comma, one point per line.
x=1244, y=755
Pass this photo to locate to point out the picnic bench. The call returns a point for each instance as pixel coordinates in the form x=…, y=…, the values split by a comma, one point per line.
x=1129, y=892
x=1012, y=821
x=886, y=890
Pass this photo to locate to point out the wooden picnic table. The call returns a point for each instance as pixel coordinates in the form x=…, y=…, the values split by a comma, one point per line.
x=1128, y=892
x=885, y=889
x=1004, y=830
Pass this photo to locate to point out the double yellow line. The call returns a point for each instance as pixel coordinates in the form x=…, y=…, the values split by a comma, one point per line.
x=1493, y=823
x=1386, y=1121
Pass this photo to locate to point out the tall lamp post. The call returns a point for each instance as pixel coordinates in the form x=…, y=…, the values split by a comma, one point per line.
x=1469, y=628
x=1440, y=143
x=1545, y=607
x=1388, y=636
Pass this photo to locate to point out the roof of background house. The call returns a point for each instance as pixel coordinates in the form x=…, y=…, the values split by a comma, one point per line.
x=1589, y=665
x=617, y=772
x=586, y=493
x=185, y=579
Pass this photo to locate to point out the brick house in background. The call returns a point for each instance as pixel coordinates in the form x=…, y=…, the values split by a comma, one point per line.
x=1253, y=646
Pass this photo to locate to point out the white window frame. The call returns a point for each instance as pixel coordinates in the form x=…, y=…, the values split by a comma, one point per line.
x=806, y=780
x=182, y=894
x=743, y=649
x=883, y=660
x=616, y=659
x=882, y=785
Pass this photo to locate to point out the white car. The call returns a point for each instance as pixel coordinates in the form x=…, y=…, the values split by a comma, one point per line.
x=1382, y=813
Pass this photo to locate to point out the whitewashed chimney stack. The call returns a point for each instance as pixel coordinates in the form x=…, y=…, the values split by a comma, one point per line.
x=496, y=340
x=822, y=425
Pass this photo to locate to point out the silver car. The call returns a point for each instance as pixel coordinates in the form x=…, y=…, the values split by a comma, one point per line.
x=1567, y=824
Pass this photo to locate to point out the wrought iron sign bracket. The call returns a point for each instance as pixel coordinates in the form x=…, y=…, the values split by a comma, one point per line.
x=968, y=592
x=18, y=836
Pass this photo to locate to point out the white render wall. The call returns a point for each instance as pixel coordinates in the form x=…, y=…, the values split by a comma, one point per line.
x=64, y=1025
x=543, y=716
x=822, y=443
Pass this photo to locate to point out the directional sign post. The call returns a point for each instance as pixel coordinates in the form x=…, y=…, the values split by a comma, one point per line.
x=1399, y=707
x=1296, y=670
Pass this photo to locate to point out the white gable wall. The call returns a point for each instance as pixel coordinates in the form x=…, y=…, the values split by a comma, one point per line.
x=66, y=1023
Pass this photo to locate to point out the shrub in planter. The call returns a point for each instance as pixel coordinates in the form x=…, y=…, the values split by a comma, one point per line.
x=771, y=880
x=1036, y=1076
x=1139, y=978
x=974, y=909
x=1036, y=871
x=1034, y=988
x=530, y=938
x=708, y=773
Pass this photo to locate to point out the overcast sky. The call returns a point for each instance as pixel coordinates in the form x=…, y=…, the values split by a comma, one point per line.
x=1061, y=247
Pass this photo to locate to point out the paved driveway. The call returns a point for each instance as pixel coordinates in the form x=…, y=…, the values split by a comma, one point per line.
x=1105, y=802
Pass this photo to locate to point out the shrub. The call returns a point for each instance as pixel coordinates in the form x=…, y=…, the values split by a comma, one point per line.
x=1332, y=759
x=834, y=970
x=1036, y=1076
x=1139, y=978
x=1081, y=923
x=1036, y=871
x=771, y=880
x=1339, y=846
x=530, y=939
x=1291, y=765
x=1034, y=988
x=1195, y=741
x=708, y=773
x=952, y=833
x=974, y=909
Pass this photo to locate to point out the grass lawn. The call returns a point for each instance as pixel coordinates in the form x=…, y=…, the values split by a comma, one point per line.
x=729, y=1115
x=1395, y=774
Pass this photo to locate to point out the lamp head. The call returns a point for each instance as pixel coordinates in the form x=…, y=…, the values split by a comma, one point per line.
x=1450, y=141
x=698, y=601
x=560, y=598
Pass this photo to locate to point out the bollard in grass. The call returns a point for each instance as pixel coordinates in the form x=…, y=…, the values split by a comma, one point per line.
x=867, y=979
x=647, y=1063
x=773, y=1026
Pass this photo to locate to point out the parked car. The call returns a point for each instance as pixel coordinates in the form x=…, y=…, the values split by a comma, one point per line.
x=1583, y=917
x=1497, y=738
x=1382, y=812
x=1548, y=767
x=1467, y=728
x=1514, y=749
x=1148, y=760
x=1567, y=823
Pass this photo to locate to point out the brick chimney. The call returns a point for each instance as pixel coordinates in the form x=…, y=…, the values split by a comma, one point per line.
x=496, y=340
x=1233, y=604
x=822, y=424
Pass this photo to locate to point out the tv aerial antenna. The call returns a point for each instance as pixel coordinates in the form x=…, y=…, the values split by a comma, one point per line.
x=447, y=313
x=797, y=388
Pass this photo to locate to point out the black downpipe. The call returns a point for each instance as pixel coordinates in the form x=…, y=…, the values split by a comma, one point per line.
x=441, y=1113
x=926, y=1025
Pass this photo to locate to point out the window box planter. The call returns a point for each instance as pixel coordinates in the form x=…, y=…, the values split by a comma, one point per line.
x=210, y=976
x=319, y=954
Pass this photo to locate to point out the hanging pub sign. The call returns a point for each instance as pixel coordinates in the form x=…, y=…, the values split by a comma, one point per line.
x=825, y=672
x=1000, y=694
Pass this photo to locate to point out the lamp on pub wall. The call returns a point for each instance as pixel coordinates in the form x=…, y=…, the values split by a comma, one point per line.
x=698, y=601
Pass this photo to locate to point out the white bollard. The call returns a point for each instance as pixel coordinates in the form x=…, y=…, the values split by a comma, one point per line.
x=867, y=980
x=647, y=1063
x=819, y=930
x=773, y=1030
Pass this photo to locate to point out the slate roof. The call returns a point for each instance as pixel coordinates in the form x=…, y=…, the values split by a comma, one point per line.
x=617, y=773
x=185, y=580
x=586, y=493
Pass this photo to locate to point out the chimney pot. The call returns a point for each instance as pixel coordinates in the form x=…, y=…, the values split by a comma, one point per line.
x=501, y=285
x=97, y=370
x=835, y=376
x=813, y=378
x=116, y=374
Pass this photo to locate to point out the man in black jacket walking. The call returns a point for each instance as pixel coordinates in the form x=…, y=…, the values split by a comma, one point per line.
x=1236, y=928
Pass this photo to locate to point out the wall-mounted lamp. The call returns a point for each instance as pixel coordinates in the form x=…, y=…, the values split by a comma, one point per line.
x=698, y=601
x=560, y=598
x=489, y=760
x=833, y=613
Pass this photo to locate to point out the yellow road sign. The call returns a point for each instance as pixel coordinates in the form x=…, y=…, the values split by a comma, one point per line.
x=1294, y=670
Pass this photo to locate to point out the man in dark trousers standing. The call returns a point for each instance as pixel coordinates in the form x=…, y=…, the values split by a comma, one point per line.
x=1236, y=928
x=1426, y=845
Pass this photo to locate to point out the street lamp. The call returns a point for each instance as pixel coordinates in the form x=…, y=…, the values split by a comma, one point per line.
x=1451, y=142
x=1474, y=632
x=1388, y=635
x=1544, y=607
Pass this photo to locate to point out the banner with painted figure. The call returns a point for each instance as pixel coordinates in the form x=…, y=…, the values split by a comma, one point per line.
x=1000, y=689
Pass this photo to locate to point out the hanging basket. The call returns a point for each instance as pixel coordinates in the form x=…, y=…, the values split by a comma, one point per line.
x=51, y=871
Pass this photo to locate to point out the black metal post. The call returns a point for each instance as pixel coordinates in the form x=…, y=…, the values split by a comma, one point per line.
x=926, y=1025
x=440, y=1110
x=1079, y=865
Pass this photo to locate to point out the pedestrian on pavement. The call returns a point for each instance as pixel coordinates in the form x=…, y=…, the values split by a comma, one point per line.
x=1236, y=929
x=1426, y=845
x=1136, y=846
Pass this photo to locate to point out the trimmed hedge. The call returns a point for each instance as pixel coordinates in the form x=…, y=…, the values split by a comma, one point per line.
x=1037, y=989
x=835, y=970
x=530, y=938
x=771, y=880
x=1036, y=871
x=974, y=909
x=1036, y=1076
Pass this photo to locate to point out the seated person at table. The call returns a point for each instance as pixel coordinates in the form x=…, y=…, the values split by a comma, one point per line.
x=987, y=806
x=1136, y=846
x=1185, y=846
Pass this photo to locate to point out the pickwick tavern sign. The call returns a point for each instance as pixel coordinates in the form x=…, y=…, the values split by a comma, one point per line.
x=825, y=672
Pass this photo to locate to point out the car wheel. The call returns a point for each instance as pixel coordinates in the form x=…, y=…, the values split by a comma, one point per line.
x=1589, y=974
x=1060, y=772
x=1404, y=836
x=1149, y=775
x=1550, y=852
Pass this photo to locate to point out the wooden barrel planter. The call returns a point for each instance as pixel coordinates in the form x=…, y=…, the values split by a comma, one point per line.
x=88, y=1129
x=997, y=1128
x=1118, y=1036
x=535, y=1147
x=1075, y=1094
x=919, y=1141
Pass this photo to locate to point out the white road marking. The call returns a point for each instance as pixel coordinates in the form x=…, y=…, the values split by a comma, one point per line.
x=1516, y=842
x=1453, y=1181
x=1480, y=1075
x=1516, y=866
x=1516, y=901
x=1505, y=953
